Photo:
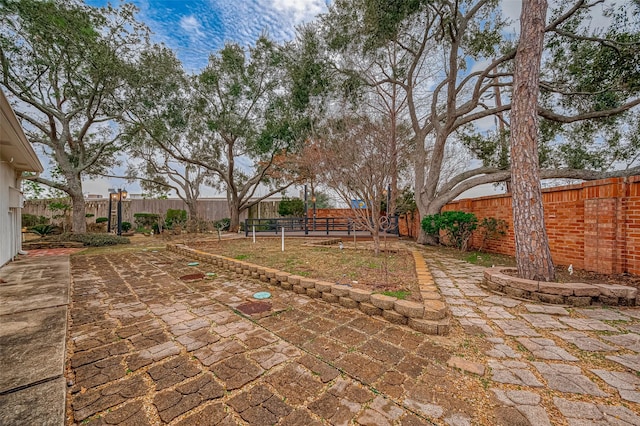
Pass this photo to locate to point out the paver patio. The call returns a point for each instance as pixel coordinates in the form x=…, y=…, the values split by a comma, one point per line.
x=149, y=348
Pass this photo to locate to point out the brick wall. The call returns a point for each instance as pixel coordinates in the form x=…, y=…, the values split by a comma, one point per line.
x=593, y=225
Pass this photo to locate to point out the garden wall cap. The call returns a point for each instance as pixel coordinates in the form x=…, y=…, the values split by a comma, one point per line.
x=382, y=301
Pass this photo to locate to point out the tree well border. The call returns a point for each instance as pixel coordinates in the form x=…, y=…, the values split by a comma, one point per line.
x=574, y=294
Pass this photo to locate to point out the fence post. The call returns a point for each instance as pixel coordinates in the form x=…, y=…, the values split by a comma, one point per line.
x=282, y=238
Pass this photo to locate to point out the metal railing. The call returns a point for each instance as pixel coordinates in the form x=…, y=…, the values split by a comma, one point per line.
x=326, y=225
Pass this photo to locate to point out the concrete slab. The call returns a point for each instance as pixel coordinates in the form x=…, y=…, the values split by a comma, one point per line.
x=32, y=347
x=36, y=405
x=34, y=301
x=34, y=283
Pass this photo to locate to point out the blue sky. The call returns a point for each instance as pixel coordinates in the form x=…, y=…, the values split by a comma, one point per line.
x=196, y=28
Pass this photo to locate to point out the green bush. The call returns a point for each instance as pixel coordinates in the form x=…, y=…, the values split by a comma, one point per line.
x=102, y=219
x=492, y=229
x=145, y=220
x=175, y=217
x=43, y=229
x=457, y=226
x=222, y=224
x=30, y=220
x=89, y=215
x=291, y=207
x=126, y=226
x=94, y=240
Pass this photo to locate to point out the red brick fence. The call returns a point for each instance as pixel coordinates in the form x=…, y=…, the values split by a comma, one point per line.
x=593, y=225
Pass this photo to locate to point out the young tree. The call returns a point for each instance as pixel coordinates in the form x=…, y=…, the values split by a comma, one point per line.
x=64, y=64
x=354, y=159
x=533, y=256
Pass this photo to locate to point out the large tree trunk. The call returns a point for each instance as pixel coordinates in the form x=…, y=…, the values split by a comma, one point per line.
x=234, y=215
x=533, y=256
x=427, y=207
x=192, y=221
x=78, y=211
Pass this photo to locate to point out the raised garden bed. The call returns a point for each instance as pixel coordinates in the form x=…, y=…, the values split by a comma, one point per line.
x=430, y=316
x=503, y=280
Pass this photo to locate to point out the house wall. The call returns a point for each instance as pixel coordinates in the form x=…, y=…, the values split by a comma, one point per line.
x=10, y=234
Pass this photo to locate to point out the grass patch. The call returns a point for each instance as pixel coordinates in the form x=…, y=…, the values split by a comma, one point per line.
x=399, y=294
x=361, y=268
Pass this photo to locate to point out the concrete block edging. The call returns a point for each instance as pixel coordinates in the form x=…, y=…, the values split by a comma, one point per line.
x=431, y=316
x=503, y=280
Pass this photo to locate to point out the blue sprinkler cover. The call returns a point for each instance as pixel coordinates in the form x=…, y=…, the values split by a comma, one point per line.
x=262, y=295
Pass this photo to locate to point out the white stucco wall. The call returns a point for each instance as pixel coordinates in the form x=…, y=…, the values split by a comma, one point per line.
x=10, y=220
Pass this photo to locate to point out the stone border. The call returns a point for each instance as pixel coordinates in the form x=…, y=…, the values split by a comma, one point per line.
x=429, y=317
x=574, y=294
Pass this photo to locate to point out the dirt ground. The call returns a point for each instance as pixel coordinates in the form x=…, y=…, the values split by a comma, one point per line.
x=392, y=270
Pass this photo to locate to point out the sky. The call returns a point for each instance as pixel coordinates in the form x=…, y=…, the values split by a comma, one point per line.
x=196, y=28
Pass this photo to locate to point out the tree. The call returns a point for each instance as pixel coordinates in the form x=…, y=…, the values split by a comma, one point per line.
x=471, y=32
x=233, y=119
x=63, y=64
x=355, y=160
x=158, y=173
x=533, y=256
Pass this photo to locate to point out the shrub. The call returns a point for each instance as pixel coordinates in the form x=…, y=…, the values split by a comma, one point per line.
x=102, y=219
x=43, y=229
x=30, y=220
x=291, y=207
x=175, y=217
x=457, y=226
x=222, y=224
x=145, y=220
x=492, y=229
x=94, y=240
x=89, y=215
x=126, y=226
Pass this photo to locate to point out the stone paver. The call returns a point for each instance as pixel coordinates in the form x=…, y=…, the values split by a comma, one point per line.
x=503, y=301
x=543, y=321
x=546, y=349
x=603, y=314
x=500, y=349
x=587, y=324
x=631, y=361
x=516, y=328
x=149, y=348
x=627, y=384
x=585, y=413
x=568, y=378
x=630, y=341
x=496, y=312
x=513, y=372
x=583, y=341
x=527, y=403
x=546, y=309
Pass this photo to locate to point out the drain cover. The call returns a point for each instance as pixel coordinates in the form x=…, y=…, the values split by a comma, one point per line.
x=262, y=295
x=250, y=308
x=192, y=277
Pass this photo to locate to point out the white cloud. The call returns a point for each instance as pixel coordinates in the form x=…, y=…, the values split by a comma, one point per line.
x=192, y=26
x=299, y=10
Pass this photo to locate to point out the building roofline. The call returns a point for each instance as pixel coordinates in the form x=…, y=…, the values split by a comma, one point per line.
x=28, y=158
